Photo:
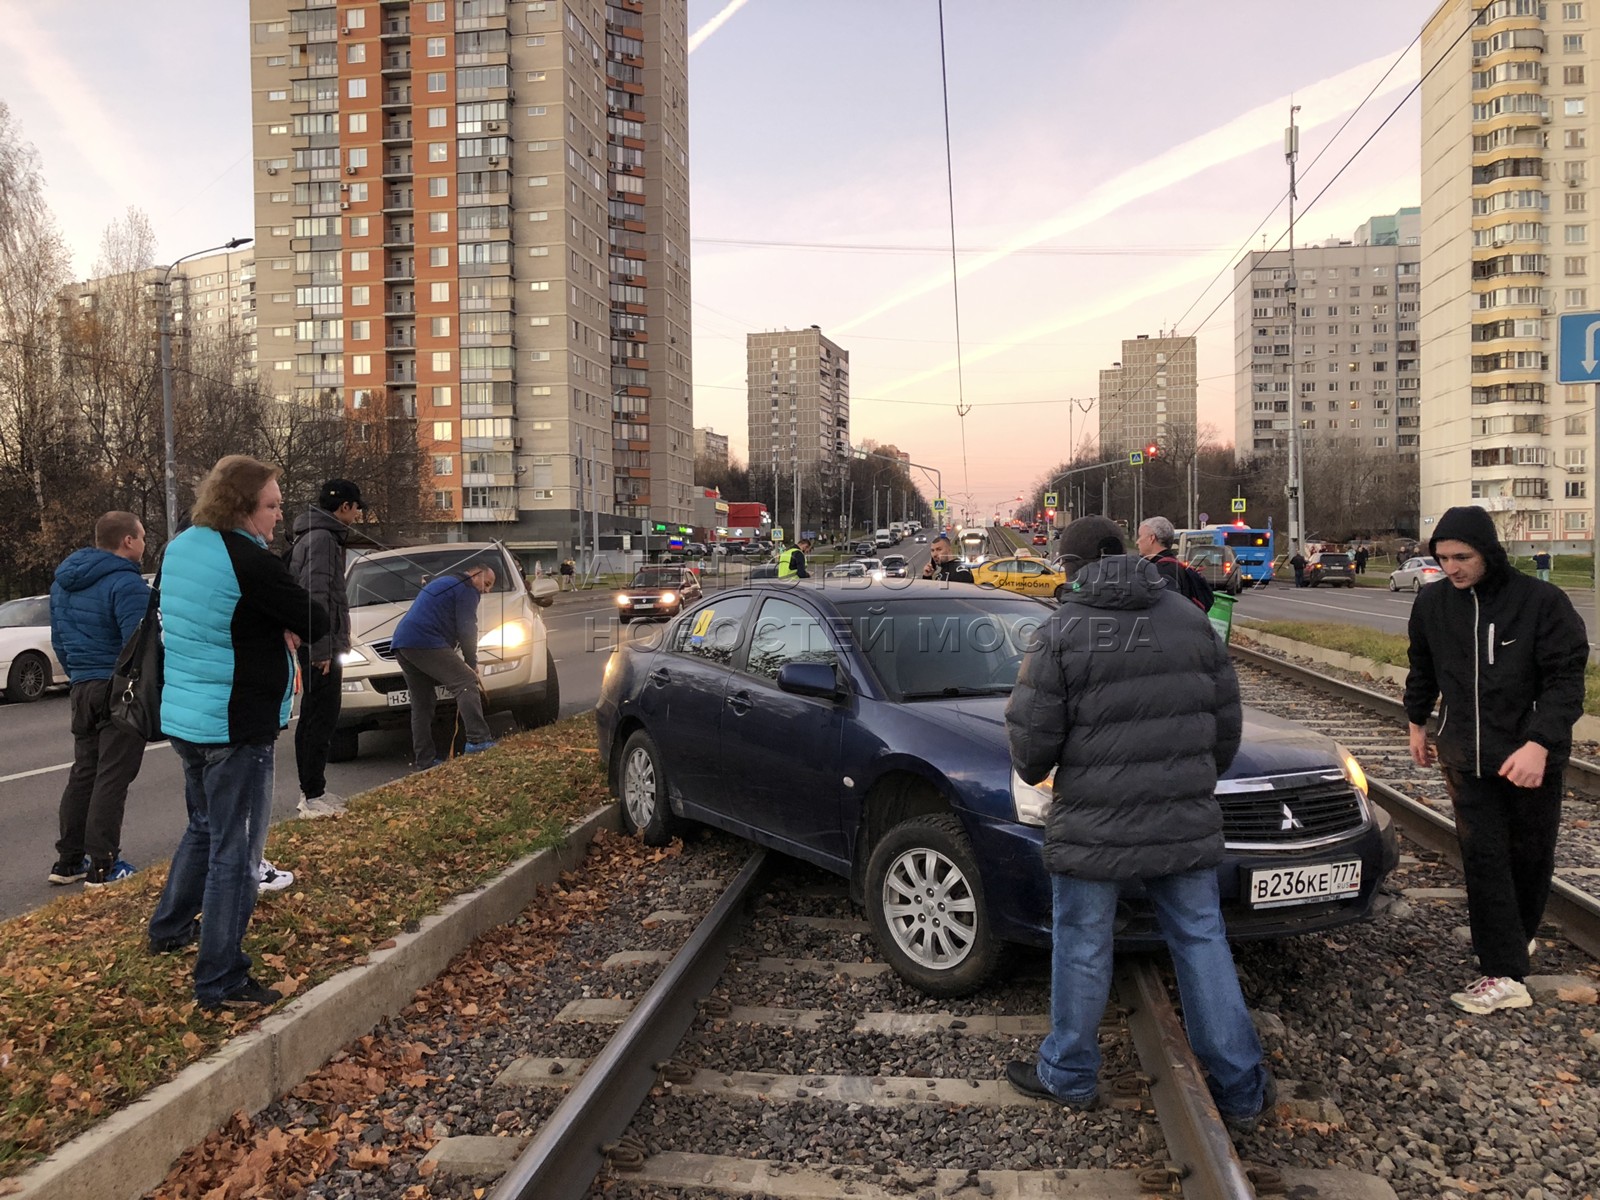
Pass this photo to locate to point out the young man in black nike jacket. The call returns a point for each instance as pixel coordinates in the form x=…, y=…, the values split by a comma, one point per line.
x=1506, y=654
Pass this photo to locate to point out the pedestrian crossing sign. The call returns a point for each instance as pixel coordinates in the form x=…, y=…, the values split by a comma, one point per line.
x=938, y=505
x=1236, y=504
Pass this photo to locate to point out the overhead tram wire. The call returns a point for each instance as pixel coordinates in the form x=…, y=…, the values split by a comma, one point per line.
x=962, y=407
x=1415, y=88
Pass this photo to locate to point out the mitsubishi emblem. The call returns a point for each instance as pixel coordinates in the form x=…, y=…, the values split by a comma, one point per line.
x=1290, y=821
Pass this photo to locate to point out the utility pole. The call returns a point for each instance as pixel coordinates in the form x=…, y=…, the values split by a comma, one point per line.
x=1291, y=289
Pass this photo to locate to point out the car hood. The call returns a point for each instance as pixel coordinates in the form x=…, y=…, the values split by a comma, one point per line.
x=1270, y=745
x=375, y=622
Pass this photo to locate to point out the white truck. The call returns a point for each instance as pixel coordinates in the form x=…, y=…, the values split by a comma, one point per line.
x=882, y=538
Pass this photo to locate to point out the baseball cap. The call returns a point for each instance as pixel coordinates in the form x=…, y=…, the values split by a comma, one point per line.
x=340, y=491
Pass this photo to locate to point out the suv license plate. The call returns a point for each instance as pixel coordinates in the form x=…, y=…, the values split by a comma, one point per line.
x=1275, y=887
x=402, y=698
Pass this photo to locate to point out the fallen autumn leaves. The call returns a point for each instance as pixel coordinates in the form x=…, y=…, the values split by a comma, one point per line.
x=89, y=1021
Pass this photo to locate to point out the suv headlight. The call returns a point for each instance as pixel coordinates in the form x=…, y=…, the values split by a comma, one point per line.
x=1352, y=770
x=352, y=658
x=1032, y=800
x=513, y=635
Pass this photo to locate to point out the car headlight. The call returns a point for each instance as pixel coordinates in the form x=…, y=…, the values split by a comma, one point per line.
x=1352, y=770
x=510, y=636
x=1032, y=800
x=352, y=658
x=623, y=601
x=669, y=597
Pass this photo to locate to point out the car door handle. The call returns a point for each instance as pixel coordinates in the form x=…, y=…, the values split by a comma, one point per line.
x=740, y=702
x=660, y=677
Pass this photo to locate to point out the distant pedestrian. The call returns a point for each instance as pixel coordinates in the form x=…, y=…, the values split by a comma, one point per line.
x=1155, y=540
x=1298, y=562
x=232, y=618
x=1541, y=565
x=436, y=643
x=318, y=561
x=1361, y=560
x=1506, y=655
x=1129, y=698
x=567, y=568
x=96, y=602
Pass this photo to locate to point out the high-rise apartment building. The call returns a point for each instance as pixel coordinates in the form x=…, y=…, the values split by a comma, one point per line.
x=1507, y=226
x=708, y=443
x=480, y=208
x=214, y=294
x=1354, y=356
x=798, y=387
x=1149, y=396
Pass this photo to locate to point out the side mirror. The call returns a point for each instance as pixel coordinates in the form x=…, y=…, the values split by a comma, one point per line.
x=808, y=679
x=543, y=591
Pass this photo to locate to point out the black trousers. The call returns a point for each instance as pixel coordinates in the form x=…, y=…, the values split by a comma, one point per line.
x=1508, y=852
x=105, y=759
x=320, y=697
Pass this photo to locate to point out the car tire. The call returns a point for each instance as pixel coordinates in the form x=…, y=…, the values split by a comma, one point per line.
x=1416, y=586
x=547, y=710
x=344, y=746
x=926, y=904
x=1061, y=592
x=1393, y=586
x=28, y=678
x=642, y=790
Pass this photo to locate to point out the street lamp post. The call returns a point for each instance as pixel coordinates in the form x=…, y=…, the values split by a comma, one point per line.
x=166, y=378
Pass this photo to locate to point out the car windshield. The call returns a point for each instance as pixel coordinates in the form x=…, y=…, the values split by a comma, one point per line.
x=657, y=579
x=18, y=614
x=961, y=644
x=893, y=560
x=396, y=579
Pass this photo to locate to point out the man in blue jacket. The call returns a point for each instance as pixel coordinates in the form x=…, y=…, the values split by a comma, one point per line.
x=442, y=620
x=96, y=602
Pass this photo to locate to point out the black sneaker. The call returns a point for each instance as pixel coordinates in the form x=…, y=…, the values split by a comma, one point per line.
x=248, y=994
x=66, y=871
x=1248, y=1124
x=1024, y=1076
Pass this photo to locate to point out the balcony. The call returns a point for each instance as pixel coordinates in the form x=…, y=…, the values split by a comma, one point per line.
x=396, y=64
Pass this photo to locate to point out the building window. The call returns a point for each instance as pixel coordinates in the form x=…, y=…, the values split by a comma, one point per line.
x=441, y=360
x=438, y=151
x=436, y=47
x=357, y=123
x=441, y=326
x=435, y=11
x=361, y=364
x=1573, y=106
x=1575, y=235
x=1572, y=43
x=357, y=89
x=355, y=18
x=439, y=187
x=1577, y=297
x=438, y=118
x=1576, y=202
x=442, y=430
x=441, y=397
x=356, y=53
x=358, y=226
x=439, y=292
x=438, y=222
x=438, y=256
x=360, y=331
x=444, y=464
x=360, y=296
x=357, y=156
x=1572, y=12
x=436, y=81
x=358, y=260
x=1575, y=265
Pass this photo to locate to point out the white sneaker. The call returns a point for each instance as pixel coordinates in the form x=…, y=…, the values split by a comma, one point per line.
x=1491, y=993
x=325, y=805
x=271, y=879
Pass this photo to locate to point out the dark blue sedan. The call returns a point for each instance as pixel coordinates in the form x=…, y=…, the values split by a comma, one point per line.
x=860, y=725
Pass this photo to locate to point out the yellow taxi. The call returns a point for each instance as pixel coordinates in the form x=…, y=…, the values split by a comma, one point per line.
x=1022, y=573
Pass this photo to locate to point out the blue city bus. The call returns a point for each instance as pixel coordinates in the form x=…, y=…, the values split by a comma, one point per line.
x=1252, y=548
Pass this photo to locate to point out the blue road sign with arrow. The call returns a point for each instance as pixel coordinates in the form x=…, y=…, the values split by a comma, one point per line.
x=1580, y=348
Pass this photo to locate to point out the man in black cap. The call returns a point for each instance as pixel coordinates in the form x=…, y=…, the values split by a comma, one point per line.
x=317, y=562
x=1506, y=653
x=1129, y=698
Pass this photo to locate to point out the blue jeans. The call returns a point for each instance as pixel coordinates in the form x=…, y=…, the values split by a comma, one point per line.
x=1214, y=1012
x=228, y=791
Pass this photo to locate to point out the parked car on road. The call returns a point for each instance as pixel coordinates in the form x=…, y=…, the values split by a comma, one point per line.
x=519, y=670
x=1327, y=566
x=28, y=663
x=1412, y=574
x=1218, y=566
x=657, y=592
x=862, y=729
x=1021, y=573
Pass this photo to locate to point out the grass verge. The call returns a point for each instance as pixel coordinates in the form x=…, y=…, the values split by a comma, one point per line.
x=1382, y=647
x=89, y=1021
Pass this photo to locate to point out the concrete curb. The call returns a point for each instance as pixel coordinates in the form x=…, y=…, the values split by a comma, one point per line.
x=1587, y=729
x=131, y=1151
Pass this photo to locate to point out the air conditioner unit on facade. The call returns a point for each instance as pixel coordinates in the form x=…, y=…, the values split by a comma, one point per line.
x=493, y=161
x=516, y=443
x=272, y=170
x=349, y=170
x=344, y=204
x=1544, y=118
x=494, y=124
x=345, y=31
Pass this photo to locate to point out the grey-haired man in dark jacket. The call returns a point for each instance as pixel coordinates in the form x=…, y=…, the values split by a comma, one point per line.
x=1131, y=701
x=1506, y=654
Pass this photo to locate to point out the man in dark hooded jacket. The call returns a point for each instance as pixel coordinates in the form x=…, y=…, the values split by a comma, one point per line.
x=1131, y=701
x=1506, y=654
x=96, y=602
x=317, y=563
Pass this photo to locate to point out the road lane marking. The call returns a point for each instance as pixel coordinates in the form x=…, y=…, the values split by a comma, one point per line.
x=66, y=766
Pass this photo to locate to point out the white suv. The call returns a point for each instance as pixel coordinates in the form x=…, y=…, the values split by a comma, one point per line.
x=519, y=671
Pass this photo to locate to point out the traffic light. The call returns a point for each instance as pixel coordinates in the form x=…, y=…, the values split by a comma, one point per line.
x=1151, y=450
x=1050, y=514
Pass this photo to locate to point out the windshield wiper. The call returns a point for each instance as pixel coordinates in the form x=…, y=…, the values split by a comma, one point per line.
x=1003, y=689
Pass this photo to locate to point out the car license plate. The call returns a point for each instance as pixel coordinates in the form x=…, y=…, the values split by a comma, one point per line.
x=1275, y=887
x=402, y=698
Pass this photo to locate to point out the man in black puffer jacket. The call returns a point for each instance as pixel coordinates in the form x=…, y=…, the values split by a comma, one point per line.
x=1131, y=701
x=1506, y=653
